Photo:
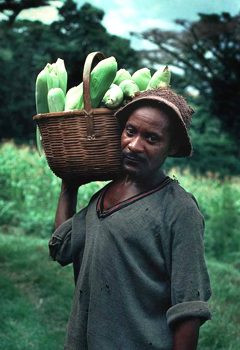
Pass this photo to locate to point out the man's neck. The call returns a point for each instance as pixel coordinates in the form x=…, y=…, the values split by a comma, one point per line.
x=129, y=186
x=143, y=183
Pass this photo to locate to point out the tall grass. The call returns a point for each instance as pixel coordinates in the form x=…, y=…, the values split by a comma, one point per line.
x=30, y=191
x=29, y=195
x=36, y=294
x=219, y=201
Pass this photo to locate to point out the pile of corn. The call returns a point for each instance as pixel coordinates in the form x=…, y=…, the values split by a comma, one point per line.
x=108, y=87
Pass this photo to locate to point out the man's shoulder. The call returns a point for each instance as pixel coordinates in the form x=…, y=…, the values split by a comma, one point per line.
x=179, y=193
x=93, y=200
x=176, y=198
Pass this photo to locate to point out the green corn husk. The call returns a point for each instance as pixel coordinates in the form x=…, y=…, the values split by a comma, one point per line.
x=39, y=142
x=101, y=78
x=62, y=74
x=56, y=75
x=142, y=78
x=122, y=74
x=163, y=85
x=52, y=77
x=125, y=102
x=160, y=77
x=129, y=87
x=74, y=98
x=41, y=91
x=113, y=86
x=56, y=100
x=113, y=97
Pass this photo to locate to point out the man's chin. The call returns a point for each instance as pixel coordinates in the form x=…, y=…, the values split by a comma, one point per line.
x=132, y=171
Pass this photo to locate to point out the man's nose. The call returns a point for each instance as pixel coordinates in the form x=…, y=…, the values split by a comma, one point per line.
x=135, y=145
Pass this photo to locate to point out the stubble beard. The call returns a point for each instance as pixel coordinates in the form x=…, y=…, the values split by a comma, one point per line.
x=133, y=172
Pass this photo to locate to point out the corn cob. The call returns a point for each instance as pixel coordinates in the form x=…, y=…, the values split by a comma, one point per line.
x=101, y=78
x=129, y=87
x=56, y=100
x=41, y=91
x=113, y=97
x=142, y=77
x=62, y=74
x=74, y=98
x=122, y=74
x=160, y=77
x=52, y=78
x=39, y=141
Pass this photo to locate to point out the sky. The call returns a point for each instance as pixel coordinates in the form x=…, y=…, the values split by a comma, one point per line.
x=138, y=15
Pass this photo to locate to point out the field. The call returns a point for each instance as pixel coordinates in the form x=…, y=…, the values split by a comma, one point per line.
x=36, y=293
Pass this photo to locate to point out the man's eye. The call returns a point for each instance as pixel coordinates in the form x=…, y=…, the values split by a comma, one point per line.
x=152, y=139
x=130, y=131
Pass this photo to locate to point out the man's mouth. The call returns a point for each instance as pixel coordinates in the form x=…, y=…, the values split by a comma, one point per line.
x=132, y=158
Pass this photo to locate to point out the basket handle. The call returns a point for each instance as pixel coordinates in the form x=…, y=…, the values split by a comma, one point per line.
x=86, y=91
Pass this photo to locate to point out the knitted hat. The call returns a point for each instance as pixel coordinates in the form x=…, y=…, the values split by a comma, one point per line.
x=182, y=114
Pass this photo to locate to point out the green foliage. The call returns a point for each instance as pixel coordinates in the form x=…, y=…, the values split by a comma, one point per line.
x=81, y=32
x=214, y=149
x=207, y=51
x=219, y=202
x=26, y=48
x=30, y=191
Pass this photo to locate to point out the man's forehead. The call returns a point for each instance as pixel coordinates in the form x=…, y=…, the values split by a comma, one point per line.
x=154, y=115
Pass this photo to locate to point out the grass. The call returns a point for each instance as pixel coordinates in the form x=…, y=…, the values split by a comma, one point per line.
x=36, y=296
x=30, y=191
x=223, y=331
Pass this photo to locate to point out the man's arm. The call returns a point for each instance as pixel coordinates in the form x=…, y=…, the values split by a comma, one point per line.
x=186, y=334
x=67, y=202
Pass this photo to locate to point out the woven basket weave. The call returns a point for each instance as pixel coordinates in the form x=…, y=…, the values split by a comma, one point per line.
x=82, y=144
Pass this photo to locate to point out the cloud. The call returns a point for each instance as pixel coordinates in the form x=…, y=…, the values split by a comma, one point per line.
x=46, y=14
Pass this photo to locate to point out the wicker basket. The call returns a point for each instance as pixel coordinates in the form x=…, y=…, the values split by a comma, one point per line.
x=82, y=144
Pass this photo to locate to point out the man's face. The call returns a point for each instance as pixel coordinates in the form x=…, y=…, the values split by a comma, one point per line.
x=146, y=141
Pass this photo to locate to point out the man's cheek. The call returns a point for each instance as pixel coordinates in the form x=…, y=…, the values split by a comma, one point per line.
x=124, y=142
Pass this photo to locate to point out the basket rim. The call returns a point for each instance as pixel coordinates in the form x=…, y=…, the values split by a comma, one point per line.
x=74, y=113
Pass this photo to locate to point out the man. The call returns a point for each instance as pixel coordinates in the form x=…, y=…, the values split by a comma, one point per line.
x=137, y=248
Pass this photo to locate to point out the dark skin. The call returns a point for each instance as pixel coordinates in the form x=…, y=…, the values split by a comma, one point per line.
x=146, y=143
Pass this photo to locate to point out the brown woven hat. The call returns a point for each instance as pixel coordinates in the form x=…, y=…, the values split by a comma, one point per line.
x=176, y=103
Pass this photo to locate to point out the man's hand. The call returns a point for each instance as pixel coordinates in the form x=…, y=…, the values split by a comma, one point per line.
x=186, y=334
x=67, y=201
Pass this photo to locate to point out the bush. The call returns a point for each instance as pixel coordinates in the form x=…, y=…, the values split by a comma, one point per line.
x=219, y=202
x=30, y=190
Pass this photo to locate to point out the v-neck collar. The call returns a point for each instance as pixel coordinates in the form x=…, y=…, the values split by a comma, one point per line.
x=126, y=202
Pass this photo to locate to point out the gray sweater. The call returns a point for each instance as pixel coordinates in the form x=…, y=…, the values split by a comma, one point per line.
x=139, y=268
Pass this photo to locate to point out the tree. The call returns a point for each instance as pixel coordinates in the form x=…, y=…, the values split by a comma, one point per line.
x=26, y=48
x=208, y=51
x=80, y=32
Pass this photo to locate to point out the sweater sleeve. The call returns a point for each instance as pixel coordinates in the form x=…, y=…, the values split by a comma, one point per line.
x=190, y=284
x=60, y=243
